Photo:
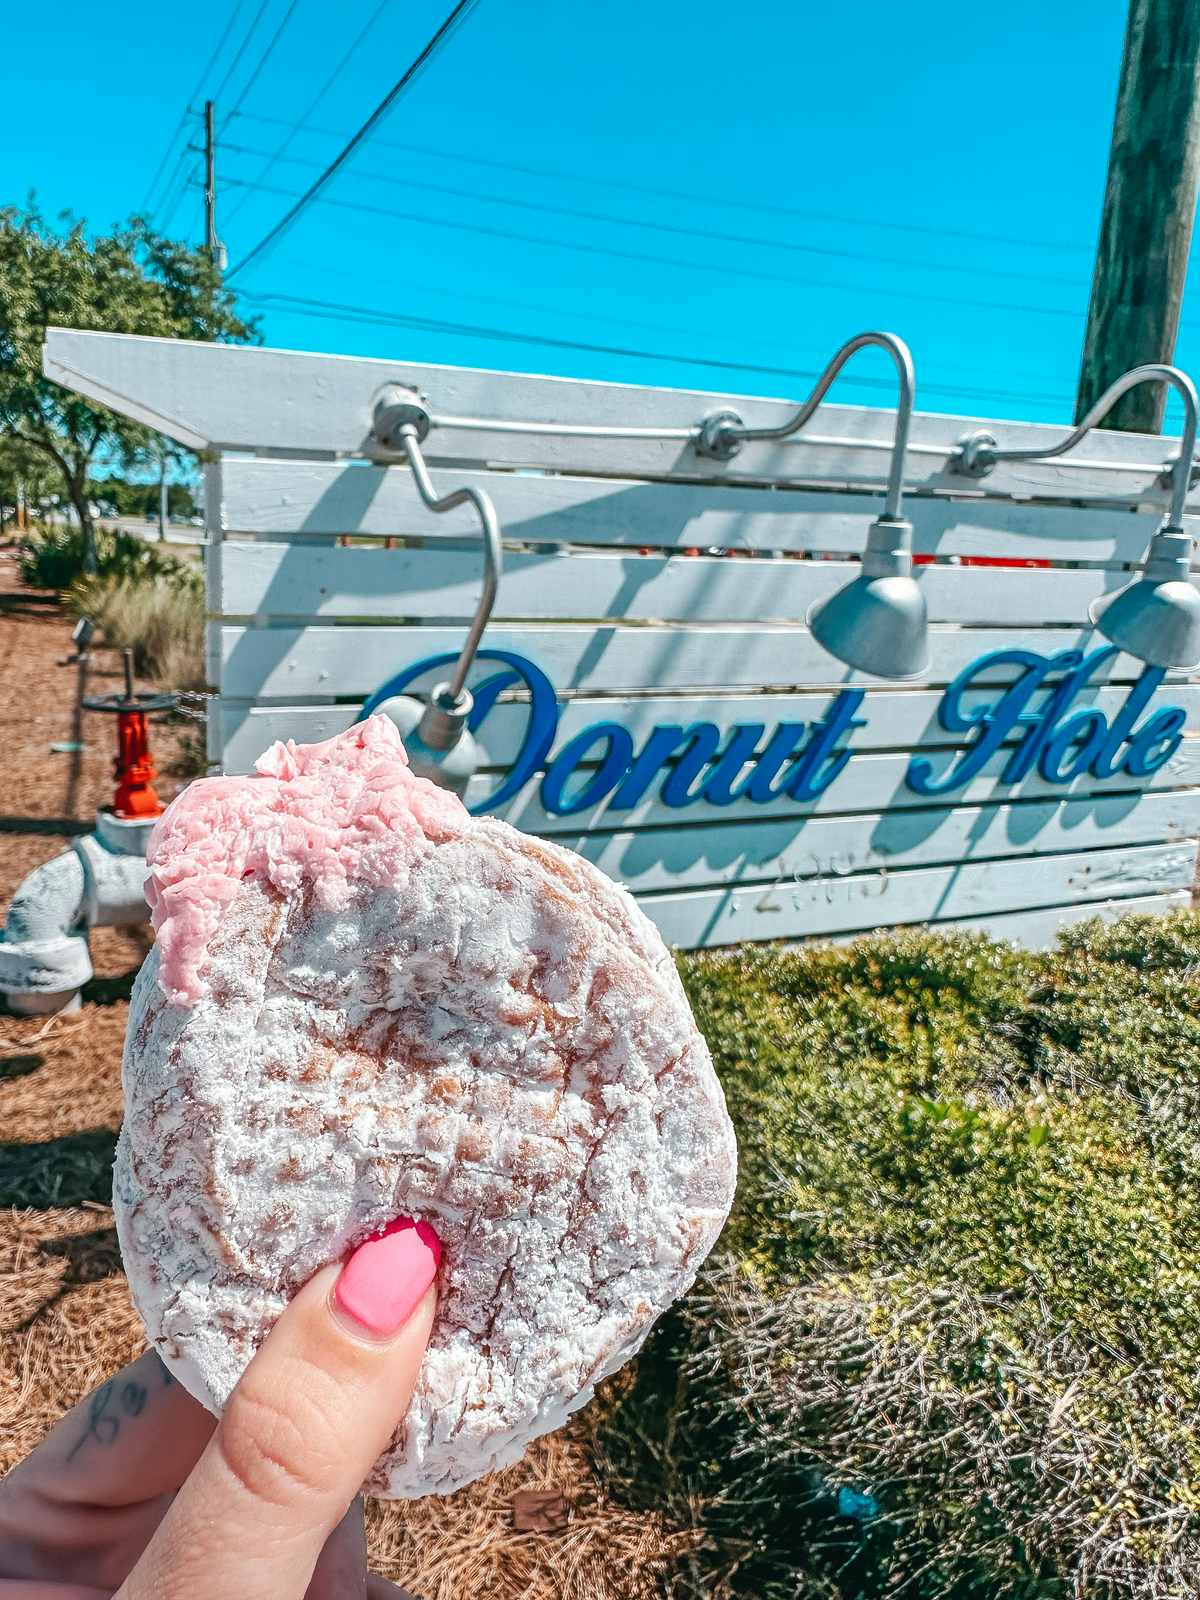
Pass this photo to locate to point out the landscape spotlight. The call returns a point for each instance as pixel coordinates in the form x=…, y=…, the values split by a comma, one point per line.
x=1156, y=616
x=82, y=635
x=439, y=744
x=877, y=622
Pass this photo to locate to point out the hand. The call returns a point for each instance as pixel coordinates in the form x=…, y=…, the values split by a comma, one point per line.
x=139, y=1493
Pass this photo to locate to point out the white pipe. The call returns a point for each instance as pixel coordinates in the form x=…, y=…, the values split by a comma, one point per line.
x=44, y=956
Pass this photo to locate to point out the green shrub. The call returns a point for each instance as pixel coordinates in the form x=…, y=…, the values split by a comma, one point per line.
x=161, y=619
x=53, y=557
x=950, y=1346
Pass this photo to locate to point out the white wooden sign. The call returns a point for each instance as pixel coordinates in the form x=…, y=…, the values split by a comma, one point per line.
x=648, y=691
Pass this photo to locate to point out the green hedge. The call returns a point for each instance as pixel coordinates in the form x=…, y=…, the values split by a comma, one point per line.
x=950, y=1344
x=53, y=558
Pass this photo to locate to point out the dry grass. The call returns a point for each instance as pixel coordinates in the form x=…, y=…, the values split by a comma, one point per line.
x=160, y=619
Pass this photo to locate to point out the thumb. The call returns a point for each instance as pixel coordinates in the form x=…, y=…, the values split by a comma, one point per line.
x=304, y=1426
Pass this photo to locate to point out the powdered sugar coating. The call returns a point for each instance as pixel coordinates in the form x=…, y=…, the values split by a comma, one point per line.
x=331, y=816
x=469, y=1027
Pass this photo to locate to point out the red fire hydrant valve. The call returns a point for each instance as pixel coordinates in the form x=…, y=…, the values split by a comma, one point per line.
x=134, y=768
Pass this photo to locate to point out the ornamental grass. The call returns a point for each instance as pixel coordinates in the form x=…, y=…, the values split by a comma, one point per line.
x=949, y=1347
x=161, y=619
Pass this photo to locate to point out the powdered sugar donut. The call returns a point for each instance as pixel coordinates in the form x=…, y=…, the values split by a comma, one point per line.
x=364, y=1003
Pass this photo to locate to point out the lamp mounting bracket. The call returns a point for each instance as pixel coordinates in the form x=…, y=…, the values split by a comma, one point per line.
x=397, y=407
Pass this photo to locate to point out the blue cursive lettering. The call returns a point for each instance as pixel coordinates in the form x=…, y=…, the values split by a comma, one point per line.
x=681, y=764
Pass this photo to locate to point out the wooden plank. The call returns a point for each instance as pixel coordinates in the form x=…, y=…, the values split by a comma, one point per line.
x=697, y=918
x=295, y=663
x=869, y=783
x=1033, y=930
x=897, y=719
x=774, y=854
x=304, y=580
x=1038, y=930
x=336, y=497
x=213, y=569
x=246, y=398
x=243, y=730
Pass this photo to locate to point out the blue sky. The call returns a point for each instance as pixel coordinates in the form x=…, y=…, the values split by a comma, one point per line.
x=923, y=168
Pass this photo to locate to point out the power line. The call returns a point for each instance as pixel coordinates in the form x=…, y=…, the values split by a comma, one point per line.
x=262, y=60
x=169, y=205
x=389, y=99
x=182, y=123
x=679, y=230
x=647, y=258
x=162, y=207
x=177, y=186
x=280, y=154
x=166, y=156
x=770, y=208
x=414, y=289
x=173, y=198
x=240, y=52
x=331, y=311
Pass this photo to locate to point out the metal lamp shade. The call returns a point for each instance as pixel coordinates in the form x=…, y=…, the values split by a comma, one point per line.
x=439, y=744
x=1156, y=617
x=878, y=622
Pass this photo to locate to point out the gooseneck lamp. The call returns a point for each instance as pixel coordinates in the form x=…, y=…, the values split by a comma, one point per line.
x=877, y=622
x=440, y=746
x=1156, y=616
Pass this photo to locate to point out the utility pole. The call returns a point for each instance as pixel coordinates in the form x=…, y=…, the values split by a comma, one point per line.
x=162, y=494
x=216, y=250
x=1149, y=208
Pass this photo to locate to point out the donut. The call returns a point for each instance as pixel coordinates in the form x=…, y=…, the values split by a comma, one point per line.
x=364, y=1003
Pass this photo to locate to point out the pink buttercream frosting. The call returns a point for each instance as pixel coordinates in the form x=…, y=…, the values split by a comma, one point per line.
x=336, y=816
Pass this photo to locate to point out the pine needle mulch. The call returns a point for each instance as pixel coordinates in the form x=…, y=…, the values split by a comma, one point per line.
x=66, y=1323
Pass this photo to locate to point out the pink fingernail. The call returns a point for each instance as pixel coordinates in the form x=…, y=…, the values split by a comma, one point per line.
x=385, y=1279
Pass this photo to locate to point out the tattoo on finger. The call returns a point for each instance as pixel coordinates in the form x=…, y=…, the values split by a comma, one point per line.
x=112, y=1406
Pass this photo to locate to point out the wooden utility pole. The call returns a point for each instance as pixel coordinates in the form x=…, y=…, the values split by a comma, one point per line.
x=1149, y=208
x=212, y=243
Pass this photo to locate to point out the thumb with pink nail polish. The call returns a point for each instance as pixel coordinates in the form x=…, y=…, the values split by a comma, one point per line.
x=385, y=1279
x=312, y=1413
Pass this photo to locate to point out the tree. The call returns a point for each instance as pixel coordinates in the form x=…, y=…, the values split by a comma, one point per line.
x=122, y=498
x=131, y=280
x=26, y=476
